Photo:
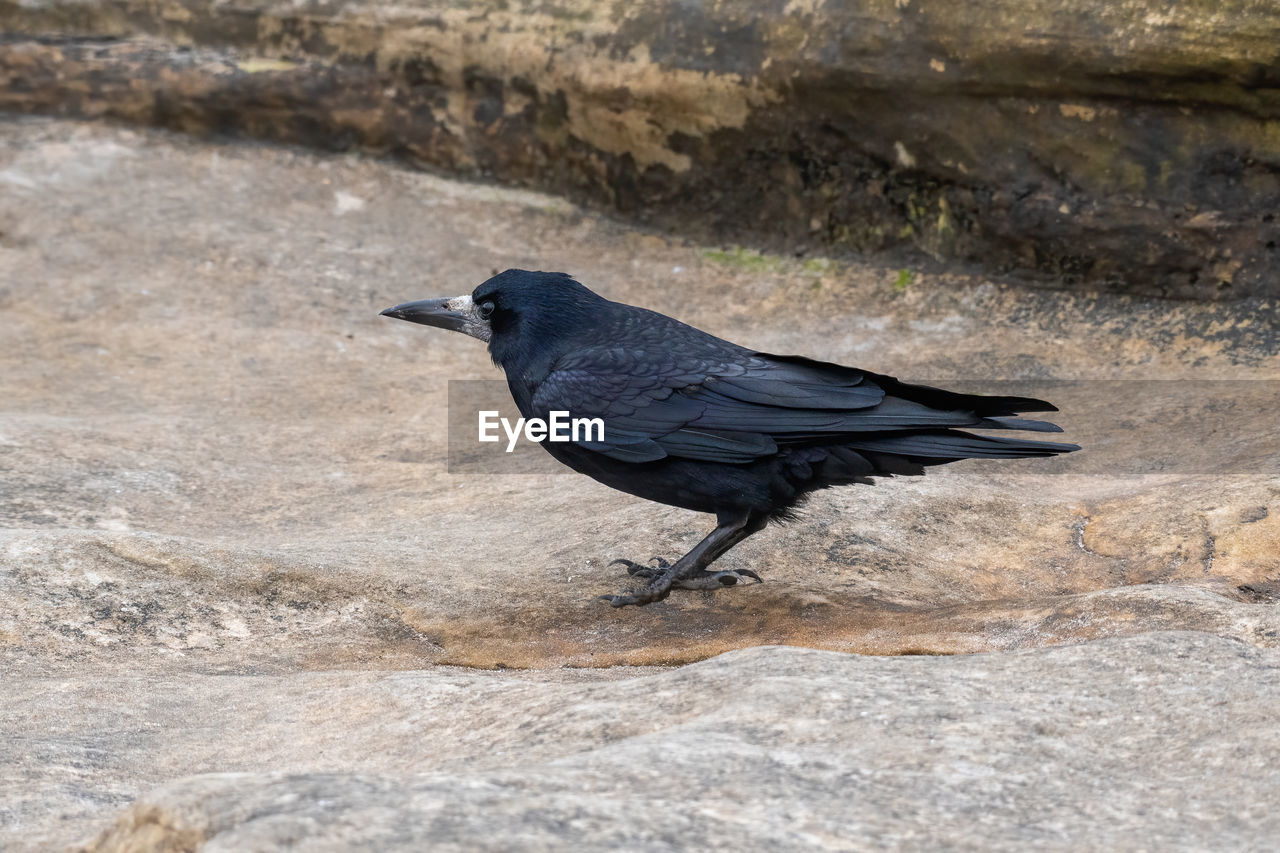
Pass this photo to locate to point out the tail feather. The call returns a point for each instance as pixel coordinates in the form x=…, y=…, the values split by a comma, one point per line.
x=955, y=444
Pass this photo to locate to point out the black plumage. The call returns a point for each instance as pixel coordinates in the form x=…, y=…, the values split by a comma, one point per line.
x=697, y=422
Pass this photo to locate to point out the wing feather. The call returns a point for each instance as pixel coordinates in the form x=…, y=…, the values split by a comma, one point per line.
x=726, y=404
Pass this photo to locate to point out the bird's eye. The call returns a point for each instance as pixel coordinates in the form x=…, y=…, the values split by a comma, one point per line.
x=486, y=309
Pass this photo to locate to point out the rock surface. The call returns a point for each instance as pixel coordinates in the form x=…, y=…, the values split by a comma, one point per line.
x=215, y=450
x=1127, y=144
x=223, y=488
x=1161, y=742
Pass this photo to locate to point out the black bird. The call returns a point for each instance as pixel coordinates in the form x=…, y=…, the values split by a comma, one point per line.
x=697, y=422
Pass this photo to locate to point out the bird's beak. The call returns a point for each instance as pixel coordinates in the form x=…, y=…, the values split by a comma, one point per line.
x=457, y=314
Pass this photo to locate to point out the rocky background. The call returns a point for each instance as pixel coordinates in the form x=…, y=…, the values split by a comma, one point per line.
x=1130, y=145
x=246, y=605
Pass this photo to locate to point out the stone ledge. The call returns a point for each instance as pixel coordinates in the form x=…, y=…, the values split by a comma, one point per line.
x=1080, y=144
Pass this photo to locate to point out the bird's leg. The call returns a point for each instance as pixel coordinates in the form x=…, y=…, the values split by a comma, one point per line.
x=690, y=571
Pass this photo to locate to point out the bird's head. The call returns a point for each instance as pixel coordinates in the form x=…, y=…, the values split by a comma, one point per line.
x=515, y=311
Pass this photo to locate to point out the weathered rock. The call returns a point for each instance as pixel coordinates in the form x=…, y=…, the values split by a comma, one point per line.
x=1096, y=142
x=223, y=487
x=1162, y=742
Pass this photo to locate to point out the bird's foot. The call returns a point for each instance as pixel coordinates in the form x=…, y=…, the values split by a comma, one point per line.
x=640, y=570
x=659, y=587
x=716, y=580
x=661, y=583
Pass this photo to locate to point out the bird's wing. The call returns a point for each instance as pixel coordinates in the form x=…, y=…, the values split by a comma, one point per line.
x=729, y=405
